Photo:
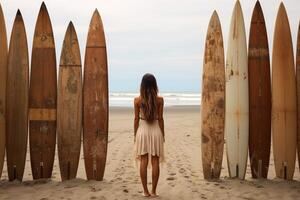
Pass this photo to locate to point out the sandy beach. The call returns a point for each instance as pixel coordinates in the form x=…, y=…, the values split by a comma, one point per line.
x=181, y=175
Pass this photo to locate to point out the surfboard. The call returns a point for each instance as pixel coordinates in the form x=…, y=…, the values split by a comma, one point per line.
x=237, y=96
x=42, y=98
x=17, y=100
x=69, y=106
x=95, y=101
x=259, y=95
x=213, y=101
x=298, y=90
x=3, y=69
x=284, y=103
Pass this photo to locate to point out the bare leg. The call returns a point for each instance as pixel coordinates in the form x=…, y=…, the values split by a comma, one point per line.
x=143, y=173
x=155, y=173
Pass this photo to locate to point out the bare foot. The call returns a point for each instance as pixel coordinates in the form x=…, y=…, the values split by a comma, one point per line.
x=146, y=194
x=153, y=194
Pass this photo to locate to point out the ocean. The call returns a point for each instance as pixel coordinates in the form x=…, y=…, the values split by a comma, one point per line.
x=119, y=99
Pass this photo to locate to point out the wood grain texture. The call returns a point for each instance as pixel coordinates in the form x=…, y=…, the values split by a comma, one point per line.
x=69, y=106
x=284, y=104
x=3, y=70
x=237, y=96
x=298, y=90
x=42, y=98
x=260, y=95
x=213, y=101
x=95, y=101
x=17, y=100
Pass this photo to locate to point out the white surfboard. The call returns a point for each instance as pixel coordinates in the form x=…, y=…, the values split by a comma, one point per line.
x=237, y=96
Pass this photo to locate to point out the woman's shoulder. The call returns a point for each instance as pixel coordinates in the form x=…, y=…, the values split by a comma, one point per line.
x=137, y=100
x=160, y=99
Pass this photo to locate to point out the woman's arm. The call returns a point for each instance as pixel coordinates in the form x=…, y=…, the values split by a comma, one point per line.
x=161, y=117
x=136, y=115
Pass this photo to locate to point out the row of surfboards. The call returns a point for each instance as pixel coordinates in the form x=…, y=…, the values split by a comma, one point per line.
x=48, y=107
x=240, y=101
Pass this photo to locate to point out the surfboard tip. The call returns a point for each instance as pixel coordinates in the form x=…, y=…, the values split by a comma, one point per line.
x=96, y=15
x=43, y=4
x=71, y=25
x=237, y=6
x=281, y=10
x=43, y=7
x=257, y=4
x=281, y=6
x=214, y=16
x=215, y=13
x=96, y=12
x=257, y=7
x=19, y=12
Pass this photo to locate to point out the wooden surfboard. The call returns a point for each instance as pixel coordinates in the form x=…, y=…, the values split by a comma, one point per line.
x=17, y=100
x=69, y=106
x=259, y=95
x=298, y=90
x=284, y=103
x=237, y=96
x=3, y=69
x=95, y=101
x=42, y=98
x=213, y=101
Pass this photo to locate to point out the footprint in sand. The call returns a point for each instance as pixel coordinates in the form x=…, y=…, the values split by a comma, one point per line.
x=126, y=191
x=181, y=170
x=171, y=178
x=259, y=186
x=94, y=189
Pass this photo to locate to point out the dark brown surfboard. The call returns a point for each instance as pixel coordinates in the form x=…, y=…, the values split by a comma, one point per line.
x=42, y=98
x=3, y=69
x=298, y=91
x=213, y=101
x=95, y=101
x=260, y=95
x=69, y=106
x=17, y=100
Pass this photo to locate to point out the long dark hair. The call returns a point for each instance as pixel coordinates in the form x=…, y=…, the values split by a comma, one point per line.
x=148, y=93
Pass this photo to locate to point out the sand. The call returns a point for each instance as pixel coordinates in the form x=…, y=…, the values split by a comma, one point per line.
x=181, y=176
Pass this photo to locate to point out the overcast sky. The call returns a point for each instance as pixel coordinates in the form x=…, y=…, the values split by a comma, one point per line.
x=163, y=37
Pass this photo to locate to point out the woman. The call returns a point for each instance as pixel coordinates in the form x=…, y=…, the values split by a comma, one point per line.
x=149, y=131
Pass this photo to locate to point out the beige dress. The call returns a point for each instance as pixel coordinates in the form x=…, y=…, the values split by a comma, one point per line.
x=149, y=140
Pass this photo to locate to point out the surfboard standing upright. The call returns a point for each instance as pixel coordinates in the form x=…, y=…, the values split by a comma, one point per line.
x=237, y=96
x=95, y=101
x=213, y=101
x=284, y=103
x=69, y=106
x=298, y=91
x=42, y=98
x=260, y=95
x=3, y=69
x=17, y=100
